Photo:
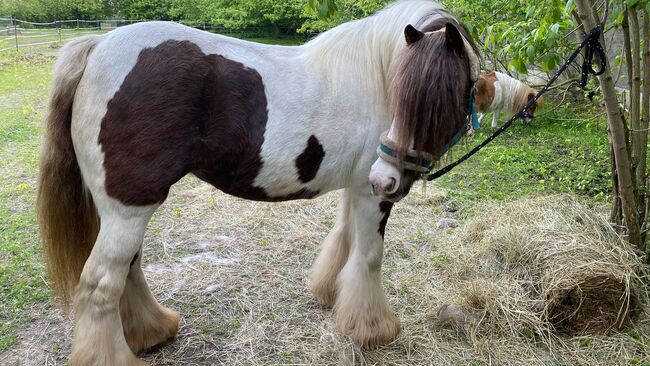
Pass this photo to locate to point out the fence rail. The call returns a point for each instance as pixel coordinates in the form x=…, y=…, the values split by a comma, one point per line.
x=17, y=33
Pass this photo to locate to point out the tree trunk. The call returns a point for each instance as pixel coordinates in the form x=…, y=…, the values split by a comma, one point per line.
x=645, y=121
x=615, y=215
x=625, y=27
x=617, y=133
x=635, y=109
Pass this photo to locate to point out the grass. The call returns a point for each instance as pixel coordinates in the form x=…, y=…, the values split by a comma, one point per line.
x=257, y=310
x=557, y=153
x=24, y=83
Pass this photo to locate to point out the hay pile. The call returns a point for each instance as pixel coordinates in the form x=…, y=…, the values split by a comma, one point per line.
x=540, y=267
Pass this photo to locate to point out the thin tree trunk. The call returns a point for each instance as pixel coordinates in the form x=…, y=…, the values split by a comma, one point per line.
x=645, y=121
x=627, y=47
x=617, y=129
x=635, y=106
x=616, y=215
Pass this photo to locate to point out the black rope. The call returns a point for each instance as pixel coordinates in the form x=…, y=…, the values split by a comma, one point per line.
x=591, y=44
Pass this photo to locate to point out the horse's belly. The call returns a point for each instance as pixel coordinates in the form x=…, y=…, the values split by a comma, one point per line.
x=297, y=175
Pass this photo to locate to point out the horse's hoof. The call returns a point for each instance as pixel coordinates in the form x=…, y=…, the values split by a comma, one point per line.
x=157, y=329
x=91, y=358
x=369, y=331
x=324, y=292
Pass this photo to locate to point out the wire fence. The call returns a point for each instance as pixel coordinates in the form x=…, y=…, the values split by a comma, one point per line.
x=16, y=33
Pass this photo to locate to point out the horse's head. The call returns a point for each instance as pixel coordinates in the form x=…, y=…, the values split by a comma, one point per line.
x=429, y=104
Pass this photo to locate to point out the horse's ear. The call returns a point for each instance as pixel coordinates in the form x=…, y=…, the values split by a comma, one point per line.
x=412, y=35
x=454, y=39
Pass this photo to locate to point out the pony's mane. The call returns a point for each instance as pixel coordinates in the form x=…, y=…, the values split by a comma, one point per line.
x=520, y=98
x=363, y=52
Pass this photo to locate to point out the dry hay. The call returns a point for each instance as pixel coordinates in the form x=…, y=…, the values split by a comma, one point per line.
x=538, y=268
x=237, y=271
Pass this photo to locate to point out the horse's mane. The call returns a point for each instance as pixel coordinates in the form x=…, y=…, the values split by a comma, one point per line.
x=363, y=52
x=430, y=92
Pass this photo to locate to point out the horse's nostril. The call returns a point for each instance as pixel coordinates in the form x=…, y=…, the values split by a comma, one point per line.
x=391, y=186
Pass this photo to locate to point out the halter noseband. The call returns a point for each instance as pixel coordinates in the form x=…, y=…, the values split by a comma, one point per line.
x=420, y=161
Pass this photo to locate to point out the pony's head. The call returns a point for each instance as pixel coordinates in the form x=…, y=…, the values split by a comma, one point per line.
x=429, y=104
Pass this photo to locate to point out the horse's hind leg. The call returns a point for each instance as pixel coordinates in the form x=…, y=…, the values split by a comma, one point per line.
x=361, y=310
x=146, y=323
x=98, y=336
x=333, y=255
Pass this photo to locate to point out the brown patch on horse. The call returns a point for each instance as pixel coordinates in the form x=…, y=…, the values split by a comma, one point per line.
x=384, y=208
x=179, y=111
x=310, y=159
x=430, y=91
x=485, y=91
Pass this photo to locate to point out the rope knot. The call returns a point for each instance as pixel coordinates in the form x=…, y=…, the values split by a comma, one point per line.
x=593, y=46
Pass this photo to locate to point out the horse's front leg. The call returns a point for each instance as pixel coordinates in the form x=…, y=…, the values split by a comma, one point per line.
x=361, y=309
x=495, y=118
x=334, y=254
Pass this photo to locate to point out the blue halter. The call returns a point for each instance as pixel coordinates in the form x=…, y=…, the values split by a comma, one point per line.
x=424, y=165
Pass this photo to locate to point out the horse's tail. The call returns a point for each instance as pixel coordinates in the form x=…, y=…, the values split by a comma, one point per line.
x=66, y=213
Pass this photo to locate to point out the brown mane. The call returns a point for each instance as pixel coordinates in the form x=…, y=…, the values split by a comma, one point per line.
x=430, y=91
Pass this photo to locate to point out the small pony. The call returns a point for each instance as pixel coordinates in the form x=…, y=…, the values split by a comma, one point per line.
x=497, y=91
x=135, y=110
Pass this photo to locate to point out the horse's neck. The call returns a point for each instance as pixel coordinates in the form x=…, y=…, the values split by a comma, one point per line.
x=356, y=55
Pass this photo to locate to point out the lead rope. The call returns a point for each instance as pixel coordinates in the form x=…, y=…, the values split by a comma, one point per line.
x=591, y=44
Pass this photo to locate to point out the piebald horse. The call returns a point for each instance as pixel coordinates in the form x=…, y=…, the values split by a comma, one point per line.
x=136, y=109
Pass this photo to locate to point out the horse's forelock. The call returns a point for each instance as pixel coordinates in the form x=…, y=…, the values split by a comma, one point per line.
x=430, y=91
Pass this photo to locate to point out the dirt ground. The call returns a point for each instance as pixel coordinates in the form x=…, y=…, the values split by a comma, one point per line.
x=237, y=272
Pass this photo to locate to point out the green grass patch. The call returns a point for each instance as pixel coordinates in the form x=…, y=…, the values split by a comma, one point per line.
x=24, y=83
x=43, y=38
x=557, y=152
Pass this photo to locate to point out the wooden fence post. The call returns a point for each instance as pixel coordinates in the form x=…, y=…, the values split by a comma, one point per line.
x=13, y=20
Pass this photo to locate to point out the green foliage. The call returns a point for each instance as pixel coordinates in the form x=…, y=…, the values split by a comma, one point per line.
x=322, y=8
x=346, y=11
x=145, y=9
x=516, y=34
x=276, y=16
x=48, y=10
x=279, y=15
